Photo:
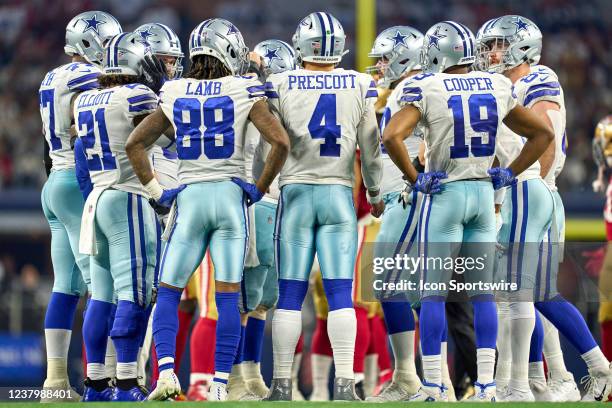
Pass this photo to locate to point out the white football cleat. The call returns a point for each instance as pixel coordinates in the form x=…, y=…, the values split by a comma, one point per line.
x=319, y=396
x=59, y=390
x=168, y=386
x=512, y=395
x=258, y=387
x=541, y=392
x=484, y=392
x=217, y=392
x=401, y=388
x=563, y=389
x=598, y=385
x=430, y=393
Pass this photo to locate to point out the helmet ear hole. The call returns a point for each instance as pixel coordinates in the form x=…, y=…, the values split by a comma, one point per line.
x=435, y=61
x=232, y=53
x=86, y=43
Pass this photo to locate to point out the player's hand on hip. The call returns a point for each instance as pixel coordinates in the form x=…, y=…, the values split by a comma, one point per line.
x=501, y=177
x=253, y=194
x=168, y=196
x=429, y=183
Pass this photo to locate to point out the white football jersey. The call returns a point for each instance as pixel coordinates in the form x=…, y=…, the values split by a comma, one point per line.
x=210, y=119
x=461, y=117
x=55, y=94
x=543, y=85
x=392, y=180
x=104, y=120
x=253, y=142
x=165, y=165
x=327, y=114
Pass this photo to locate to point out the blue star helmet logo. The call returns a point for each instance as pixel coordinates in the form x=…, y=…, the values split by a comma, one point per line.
x=145, y=34
x=398, y=39
x=92, y=24
x=521, y=25
x=271, y=54
x=232, y=29
x=435, y=37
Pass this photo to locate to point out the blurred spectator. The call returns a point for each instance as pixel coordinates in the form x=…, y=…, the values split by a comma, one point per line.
x=576, y=46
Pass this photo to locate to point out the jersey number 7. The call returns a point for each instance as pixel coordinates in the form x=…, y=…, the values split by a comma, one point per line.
x=488, y=125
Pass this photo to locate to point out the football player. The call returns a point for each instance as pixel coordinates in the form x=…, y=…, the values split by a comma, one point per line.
x=328, y=112
x=209, y=110
x=260, y=281
x=62, y=201
x=398, y=52
x=456, y=107
x=512, y=45
x=118, y=229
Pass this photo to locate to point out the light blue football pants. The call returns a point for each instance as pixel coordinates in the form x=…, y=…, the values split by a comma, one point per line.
x=208, y=214
x=457, y=223
x=398, y=235
x=316, y=217
x=260, y=284
x=127, y=241
x=551, y=254
x=527, y=214
x=62, y=204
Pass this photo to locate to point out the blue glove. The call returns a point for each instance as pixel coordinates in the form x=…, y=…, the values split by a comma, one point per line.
x=429, y=183
x=168, y=196
x=252, y=192
x=501, y=177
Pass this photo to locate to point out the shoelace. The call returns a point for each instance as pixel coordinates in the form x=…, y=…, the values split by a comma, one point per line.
x=589, y=383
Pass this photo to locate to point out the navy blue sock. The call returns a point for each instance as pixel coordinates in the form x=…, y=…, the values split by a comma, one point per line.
x=568, y=320
x=445, y=333
x=143, y=332
x=537, y=340
x=432, y=321
x=339, y=293
x=165, y=325
x=291, y=294
x=95, y=335
x=240, y=350
x=228, y=330
x=126, y=331
x=60, y=312
x=398, y=316
x=485, y=321
x=253, y=341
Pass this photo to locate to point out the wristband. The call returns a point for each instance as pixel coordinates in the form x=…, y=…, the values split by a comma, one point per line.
x=154, y=189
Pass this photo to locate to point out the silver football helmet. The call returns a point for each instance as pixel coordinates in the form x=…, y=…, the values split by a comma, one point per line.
x=278, y=56
x=124, y=54
x=319, y=38
x=163, y=42
x=221, y=39
x=447, y=44
x=398, y=50
x=508, y=41
x=87, y=34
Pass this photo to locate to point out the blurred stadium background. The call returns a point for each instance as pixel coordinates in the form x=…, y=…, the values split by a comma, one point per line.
x=576, y=45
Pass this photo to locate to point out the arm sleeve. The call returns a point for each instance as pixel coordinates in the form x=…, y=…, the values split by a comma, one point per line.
x=368, y=138
x=82, y=172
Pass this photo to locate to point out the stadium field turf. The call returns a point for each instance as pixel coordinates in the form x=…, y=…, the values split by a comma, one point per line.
x=260, y=404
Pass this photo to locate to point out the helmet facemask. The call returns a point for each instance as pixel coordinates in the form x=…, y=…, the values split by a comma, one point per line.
x=493, y=55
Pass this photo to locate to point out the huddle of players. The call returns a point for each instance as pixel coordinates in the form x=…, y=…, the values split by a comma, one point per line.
x=134, y=124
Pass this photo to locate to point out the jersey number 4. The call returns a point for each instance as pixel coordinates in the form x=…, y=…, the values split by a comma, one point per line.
x=217, y=114
x=479, y=124
x=323, y=125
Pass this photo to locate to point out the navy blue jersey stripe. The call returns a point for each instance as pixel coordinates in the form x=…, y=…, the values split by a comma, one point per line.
x=540, y=93
x=141, y=98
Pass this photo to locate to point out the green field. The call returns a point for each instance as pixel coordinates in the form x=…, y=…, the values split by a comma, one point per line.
x=259, y=404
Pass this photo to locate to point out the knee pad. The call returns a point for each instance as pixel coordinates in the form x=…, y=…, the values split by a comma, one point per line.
x=291, y=294
x=129, y=319
x=521, y=310
x=338, y=293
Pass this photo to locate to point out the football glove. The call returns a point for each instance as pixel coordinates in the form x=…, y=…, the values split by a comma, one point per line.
x=253, y=194
x=501, y=177
x=154, y=73
x=429, y=183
